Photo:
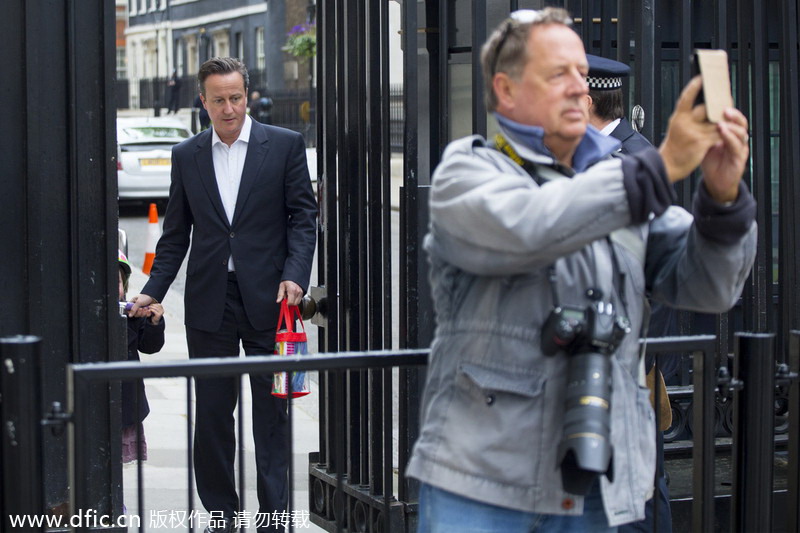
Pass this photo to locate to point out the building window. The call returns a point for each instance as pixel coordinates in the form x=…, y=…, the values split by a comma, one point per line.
x=222, y=44
x=122, y=63
x=239, y=45
x=261, y=60
x=192, y=58
x=132, y=72
x=180, y=64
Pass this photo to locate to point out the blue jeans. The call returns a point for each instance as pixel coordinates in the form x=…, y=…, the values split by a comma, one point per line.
x=444, y=512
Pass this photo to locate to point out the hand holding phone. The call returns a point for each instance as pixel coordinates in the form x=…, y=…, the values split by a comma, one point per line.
x=712, y=65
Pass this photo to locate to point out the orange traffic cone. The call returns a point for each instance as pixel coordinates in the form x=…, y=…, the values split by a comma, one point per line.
x=153, y=234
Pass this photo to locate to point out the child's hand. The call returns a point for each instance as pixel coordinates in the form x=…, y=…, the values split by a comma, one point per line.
x=156, y=312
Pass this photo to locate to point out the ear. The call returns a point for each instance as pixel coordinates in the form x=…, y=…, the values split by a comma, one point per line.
x=203, y=100
x=589, y=101
x=504, y=89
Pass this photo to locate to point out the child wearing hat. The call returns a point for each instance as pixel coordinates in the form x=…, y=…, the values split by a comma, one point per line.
x=606, y=103
x=145, y=334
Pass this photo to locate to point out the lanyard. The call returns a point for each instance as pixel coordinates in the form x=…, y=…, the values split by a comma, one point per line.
x=502, y=145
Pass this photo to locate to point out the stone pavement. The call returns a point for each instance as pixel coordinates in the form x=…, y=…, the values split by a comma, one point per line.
x=165, y=473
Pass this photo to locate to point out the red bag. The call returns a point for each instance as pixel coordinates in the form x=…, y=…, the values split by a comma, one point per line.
x=290, y=342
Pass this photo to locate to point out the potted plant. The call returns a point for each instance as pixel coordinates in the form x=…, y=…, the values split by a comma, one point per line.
x=302, y=41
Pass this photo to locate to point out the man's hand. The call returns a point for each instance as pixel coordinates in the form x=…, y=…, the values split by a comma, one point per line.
x=140, y=303
x=724, y=163
x=689, y=135
x=291, y=291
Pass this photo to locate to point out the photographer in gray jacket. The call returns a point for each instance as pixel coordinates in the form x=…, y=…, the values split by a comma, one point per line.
x=543, y=245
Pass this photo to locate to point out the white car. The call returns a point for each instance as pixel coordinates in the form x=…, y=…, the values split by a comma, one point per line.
x=144, y=155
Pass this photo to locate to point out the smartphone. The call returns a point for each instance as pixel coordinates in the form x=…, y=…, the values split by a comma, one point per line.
x=712, y=65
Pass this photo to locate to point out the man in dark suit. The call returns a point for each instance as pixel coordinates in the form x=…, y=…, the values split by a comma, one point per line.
x=607, y=114
x=242, y=194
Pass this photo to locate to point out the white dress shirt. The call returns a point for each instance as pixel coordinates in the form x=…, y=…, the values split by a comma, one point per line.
x=611, y=126
x=228, y=165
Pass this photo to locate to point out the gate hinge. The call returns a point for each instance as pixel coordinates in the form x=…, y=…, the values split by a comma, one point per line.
x=727, y=383
x=783, y=376
x=314, y=306
x=57, y=418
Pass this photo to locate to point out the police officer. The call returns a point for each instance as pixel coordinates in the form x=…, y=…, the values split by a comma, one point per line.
x=606, y=108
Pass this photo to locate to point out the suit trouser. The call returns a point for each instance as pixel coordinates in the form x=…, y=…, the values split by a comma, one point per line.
x=216, y=398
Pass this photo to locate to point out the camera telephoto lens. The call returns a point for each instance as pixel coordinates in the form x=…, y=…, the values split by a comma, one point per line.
x=585, y=449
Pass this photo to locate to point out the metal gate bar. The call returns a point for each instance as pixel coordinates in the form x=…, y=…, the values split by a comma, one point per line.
x=705, y=384
x=84, y=378
x=190, y=445
x=793, y=499
x=753, y=442
x=789, y=188
x=357, y=517
x=22, y=451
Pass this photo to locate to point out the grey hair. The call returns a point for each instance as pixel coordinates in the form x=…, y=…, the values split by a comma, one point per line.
x=506, y=49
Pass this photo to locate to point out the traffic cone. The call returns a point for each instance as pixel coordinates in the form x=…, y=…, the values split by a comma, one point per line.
x=153, y=234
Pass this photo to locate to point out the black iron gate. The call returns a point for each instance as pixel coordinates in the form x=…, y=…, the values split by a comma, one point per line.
x=59, y=215
x=339, y=505
x=443, y=100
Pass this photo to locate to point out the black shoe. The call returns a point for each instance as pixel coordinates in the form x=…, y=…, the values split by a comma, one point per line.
x=222, y=526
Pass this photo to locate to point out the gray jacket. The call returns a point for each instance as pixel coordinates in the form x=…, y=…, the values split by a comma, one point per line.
x=493, y=403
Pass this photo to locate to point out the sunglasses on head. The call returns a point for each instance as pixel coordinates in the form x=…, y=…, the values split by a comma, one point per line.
x=521, y=16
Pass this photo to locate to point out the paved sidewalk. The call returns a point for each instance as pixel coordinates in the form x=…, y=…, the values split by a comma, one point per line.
x=165, y=473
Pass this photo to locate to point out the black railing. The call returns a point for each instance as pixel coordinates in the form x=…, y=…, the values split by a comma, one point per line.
x=370, y=504
x=705, y=384
x=341, y=502
x=122, y=93
x=337, y=503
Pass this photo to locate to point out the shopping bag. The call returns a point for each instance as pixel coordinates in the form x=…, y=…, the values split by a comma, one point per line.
x=290, y=342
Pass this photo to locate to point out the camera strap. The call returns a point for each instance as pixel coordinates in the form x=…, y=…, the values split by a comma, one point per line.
x=533, y=169
x=502, y=145
x=551, y=277
x=620, y=275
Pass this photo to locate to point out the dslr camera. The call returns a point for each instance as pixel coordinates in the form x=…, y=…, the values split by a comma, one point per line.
x=588, y=336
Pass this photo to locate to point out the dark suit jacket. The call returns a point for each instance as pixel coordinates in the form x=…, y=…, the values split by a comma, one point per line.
x=632, y=141
x=272, y=236
x=663, y=319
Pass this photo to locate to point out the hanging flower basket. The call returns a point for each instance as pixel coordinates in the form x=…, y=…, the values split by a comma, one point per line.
x=302, y=41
